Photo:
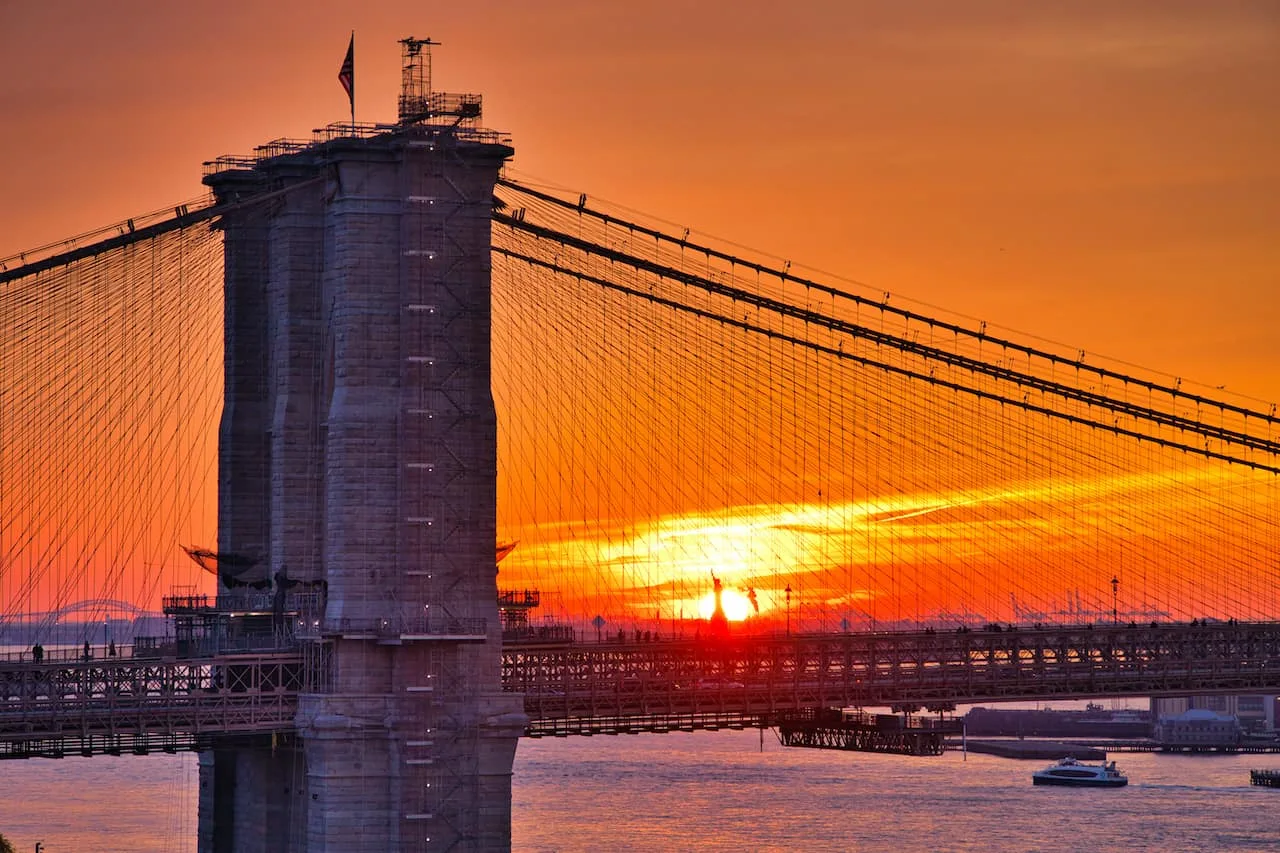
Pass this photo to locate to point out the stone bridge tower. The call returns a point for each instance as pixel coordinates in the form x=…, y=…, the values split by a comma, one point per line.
x=358, y=460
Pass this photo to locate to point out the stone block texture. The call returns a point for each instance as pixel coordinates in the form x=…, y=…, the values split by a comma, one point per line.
x=359, y=449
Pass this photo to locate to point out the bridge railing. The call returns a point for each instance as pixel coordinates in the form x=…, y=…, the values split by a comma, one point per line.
x=309, y=603
x=443, y=103
x=212, y=645
x=75, y=653
x=519, y=598
x=539, y=634
x=397, y=626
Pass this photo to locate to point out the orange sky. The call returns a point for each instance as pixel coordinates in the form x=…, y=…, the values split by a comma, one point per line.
x=1106, y=179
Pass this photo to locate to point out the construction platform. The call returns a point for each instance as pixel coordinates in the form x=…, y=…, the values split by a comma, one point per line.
x=834, y=728
x=1265, y=778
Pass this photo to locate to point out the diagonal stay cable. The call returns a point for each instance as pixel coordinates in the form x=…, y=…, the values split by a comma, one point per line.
x=606, y=219
x=102, y=246
x=885, y=366
x=173, y=223
x=924, y=351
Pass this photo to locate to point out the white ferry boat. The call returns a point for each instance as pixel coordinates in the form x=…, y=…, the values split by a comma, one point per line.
x=1077, y=774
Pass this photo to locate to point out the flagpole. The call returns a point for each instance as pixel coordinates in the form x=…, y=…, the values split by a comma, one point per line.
x=347, y=77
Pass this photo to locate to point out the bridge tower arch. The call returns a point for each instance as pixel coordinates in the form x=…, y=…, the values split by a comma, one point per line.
x=358, y=457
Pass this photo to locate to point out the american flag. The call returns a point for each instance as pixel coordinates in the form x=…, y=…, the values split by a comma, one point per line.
x=347, y=73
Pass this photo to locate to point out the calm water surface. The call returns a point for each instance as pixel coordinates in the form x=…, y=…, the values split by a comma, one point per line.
x=718, y=792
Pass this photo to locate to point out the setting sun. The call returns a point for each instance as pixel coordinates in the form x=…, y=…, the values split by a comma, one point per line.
x=736, y=605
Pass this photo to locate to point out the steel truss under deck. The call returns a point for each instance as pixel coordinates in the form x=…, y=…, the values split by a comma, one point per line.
x=131, y=705
x=752, y=681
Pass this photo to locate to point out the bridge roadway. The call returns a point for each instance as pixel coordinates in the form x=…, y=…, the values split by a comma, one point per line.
x=134, y=704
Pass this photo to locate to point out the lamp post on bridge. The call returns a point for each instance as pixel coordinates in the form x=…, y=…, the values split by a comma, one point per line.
x=788, y=591
x=1115, y=592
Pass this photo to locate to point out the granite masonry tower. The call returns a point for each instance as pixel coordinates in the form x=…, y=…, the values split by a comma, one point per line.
x=357, y=468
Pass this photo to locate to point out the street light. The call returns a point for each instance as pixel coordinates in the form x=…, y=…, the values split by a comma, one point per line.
x=788, y=591
x=1115, y=591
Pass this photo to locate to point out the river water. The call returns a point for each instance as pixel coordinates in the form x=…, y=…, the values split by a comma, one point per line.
x=716, y=791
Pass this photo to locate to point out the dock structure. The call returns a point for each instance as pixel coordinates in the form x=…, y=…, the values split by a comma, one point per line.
x=1265, y=778
x=357, y=461
x=1050, y=750
x=833, y=728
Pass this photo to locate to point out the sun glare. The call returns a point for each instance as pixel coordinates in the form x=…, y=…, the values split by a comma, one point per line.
x=736, y=605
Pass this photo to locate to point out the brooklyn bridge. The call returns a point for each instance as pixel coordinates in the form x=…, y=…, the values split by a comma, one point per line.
x=723, y=492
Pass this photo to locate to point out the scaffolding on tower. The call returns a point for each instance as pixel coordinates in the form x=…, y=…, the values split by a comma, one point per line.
x=418, y=103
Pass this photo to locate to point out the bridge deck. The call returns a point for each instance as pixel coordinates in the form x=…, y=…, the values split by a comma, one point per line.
x=138, y=705
x=130, y=704
x=682, y=685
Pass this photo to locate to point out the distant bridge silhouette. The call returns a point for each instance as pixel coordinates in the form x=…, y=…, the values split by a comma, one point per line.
x=98, y=608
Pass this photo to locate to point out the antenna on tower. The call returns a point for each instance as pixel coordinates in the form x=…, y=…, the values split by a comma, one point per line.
x=415, y=79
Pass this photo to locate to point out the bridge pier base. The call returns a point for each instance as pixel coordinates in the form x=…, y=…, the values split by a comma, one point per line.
x=376, y=783
x=253, y=800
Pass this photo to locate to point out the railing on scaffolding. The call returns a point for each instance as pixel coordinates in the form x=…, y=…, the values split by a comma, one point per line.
x=363, y=130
